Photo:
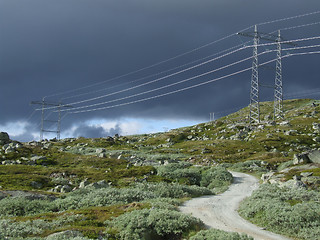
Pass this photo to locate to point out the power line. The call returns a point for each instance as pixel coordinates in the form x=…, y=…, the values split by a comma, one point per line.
x=184, y=70
x=190, y=87
x=153, y=75
x=172, y=84
x=183, y=54
x=290, y=18
x=158, y=79
x=156, y=74
x=186, y=80
x=299, y=26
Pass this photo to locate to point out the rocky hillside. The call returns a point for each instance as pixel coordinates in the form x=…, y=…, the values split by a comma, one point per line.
x=282, y=152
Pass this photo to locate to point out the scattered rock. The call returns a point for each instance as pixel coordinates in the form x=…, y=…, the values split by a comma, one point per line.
x=206, y=151
x=316, y=139
x=314, y=156
x=66, y=189
x=4, y=138
x=291, y=132
x=294, y=183
x=316, y=126
x=285, y=123
x=37, y=158
x=266, y=177
x=84, y=183
x=300, y=158
x=306, y=174
x=69, y=234
x=100, y=150
x=36, y=185
x=102, y=155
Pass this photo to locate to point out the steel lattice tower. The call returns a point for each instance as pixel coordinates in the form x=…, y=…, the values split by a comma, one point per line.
x=278, y=94
x=44, y=104
x=254, y=115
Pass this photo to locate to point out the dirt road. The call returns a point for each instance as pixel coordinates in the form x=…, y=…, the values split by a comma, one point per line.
x=220, y=211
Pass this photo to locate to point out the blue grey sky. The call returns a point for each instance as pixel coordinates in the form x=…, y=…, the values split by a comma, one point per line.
x=57, y=48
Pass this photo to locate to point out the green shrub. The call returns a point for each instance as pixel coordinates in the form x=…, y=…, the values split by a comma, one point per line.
x=249, y=166
x=11, y=229
x=295, y=212
x=215, y=234
x=173, y=190
x=181, y=172
x=152, y=224
x=216, y=177
x=88, y=197
x=20, y=206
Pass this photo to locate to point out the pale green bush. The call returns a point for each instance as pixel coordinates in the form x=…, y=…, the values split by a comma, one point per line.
x=152, y=224
x=215, y=234
x=249, y=166
x=88, y=197
x=216, y=177
x=180, y=172
x=20, y=206
x=102, y=197
x=164, y=203
x=173, y=190
x=11, y=229
x=295, y=212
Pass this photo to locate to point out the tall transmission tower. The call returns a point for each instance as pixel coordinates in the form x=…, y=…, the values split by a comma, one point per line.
x=278, y=93
x=254, y=91
x=254, y=115
x=44, y=104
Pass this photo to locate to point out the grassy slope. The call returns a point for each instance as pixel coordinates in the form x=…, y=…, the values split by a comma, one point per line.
x=269, y=144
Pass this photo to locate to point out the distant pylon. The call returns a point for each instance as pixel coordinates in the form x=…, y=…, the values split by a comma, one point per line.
x=254, y=115
x=44, y=104
x=278, y=93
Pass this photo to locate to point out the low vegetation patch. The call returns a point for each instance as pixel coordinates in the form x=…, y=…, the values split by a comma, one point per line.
x=215, y=234
x=293, y=212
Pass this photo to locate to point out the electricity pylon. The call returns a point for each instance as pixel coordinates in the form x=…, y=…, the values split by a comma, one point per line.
x=44, y=104
x=278, y=93
x=254, y=115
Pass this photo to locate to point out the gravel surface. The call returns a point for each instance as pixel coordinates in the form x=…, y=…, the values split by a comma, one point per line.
x=220, y=211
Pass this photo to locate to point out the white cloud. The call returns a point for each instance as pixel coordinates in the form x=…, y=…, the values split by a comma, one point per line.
x=20, y=131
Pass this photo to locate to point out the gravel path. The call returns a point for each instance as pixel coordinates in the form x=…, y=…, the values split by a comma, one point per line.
x=220, y=211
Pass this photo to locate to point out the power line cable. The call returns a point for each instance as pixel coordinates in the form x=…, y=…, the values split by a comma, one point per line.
x=190, y=87
x=153, y=75
x=156, y=80
x=183, y=54
x=173, y=84
x=156, y=74
x=191, y=78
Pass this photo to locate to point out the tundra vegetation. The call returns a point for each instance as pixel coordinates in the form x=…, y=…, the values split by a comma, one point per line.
x=130, y=187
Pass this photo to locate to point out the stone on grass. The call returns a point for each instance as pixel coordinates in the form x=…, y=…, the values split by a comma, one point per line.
x=4, y=138
x=69, y=234
x=314, y=156
x=300, y=158
x=66, y=189
x=84, y=183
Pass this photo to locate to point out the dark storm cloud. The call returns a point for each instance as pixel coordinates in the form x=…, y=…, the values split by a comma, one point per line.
x=52, y=46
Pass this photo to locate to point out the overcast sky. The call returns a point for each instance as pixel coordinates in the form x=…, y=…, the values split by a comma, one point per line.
x=75, y=51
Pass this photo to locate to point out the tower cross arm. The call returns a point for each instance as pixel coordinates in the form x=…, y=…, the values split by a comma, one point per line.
x=267, y=37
